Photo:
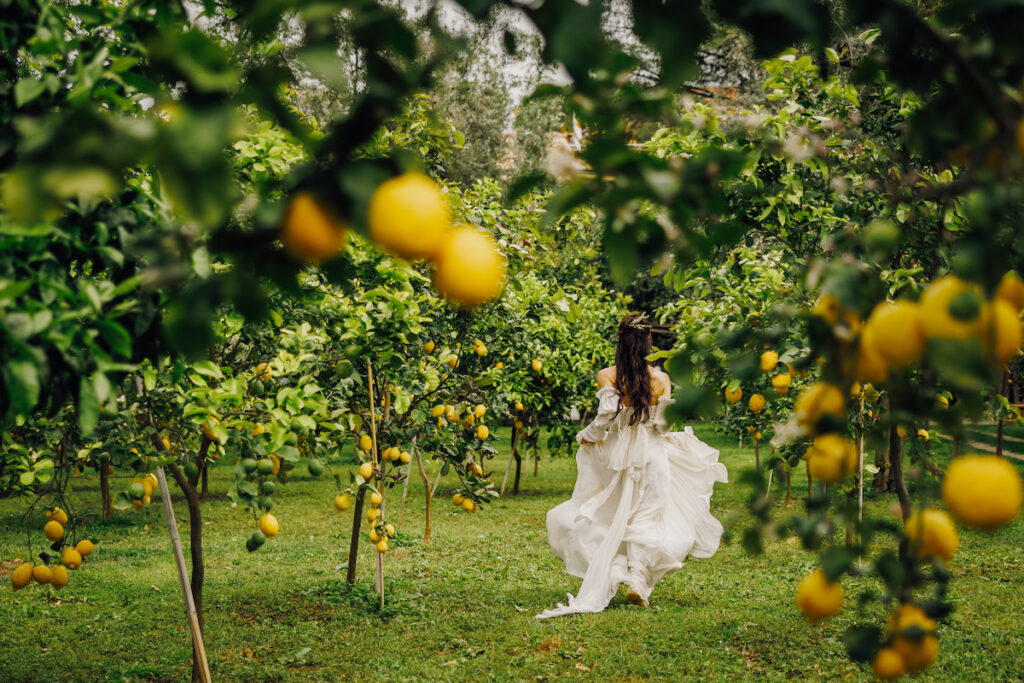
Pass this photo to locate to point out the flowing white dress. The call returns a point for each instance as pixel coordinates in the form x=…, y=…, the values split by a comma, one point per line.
x=641, y=505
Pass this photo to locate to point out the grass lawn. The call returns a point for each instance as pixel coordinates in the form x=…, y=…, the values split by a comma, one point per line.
x=461, y=608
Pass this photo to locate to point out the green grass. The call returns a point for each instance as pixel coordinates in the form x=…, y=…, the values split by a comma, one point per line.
x=461, y=608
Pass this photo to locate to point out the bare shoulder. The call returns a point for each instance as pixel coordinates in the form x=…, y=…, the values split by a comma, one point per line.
x=661, y=384
x=606, y=377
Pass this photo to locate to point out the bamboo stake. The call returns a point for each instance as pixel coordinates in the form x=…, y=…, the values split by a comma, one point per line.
x=508, y=465
x=373, y=455
x=186, y=588
x=860, y=471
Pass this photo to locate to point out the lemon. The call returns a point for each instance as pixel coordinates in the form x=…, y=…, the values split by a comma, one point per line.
x=1005, y=335
x=41, y=573
x=499, y=365
x=757, y=436
x=365, y=443
x=309, y=233
x=923, y=434
x=71, y=558
x=452, y=361
x=59, y=577
x=85, y=547
x=519, y=406
x=373, y=536
x=58, y=515
x=372, y=514
x=917, y=653
x=933, y=534
x=342, y=501
x=817, y=597
x=409, y=216
x=942, y=401
x=781, y=382
x=268, y=525
x=21, y=577
x=382, y=546
x=901, y=431
x=482, y=432
x=832, y=458
x=437, y=411
x=536, y=365
x=366, y=470
x=263, y=371
x=1011, y=290
x=816, y=401
x=983, y=491
x=451, y=414
x=733, y=396
x=405, y=457
x=827, y=308
x=769, y=359
x=376, y=498
x=429, y=347
x=480, y=410
x=888, y=664
x=871, y=366
x=208, y=427
x=389, y=529
x=894, y=332
x=470, y=268
x=937, y=320
x=468, y=505
x=54, y=530
x=457, y=499
x=481, y=349
x=756, y=403
x=518, y=424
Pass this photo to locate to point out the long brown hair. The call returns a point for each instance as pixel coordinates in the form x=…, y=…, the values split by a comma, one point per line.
x=632, y=376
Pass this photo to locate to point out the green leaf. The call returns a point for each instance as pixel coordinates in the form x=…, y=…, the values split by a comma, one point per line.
x=88, y=406
x=27, y=478
x=116, y=336
x=27, y=89
x=22, y=386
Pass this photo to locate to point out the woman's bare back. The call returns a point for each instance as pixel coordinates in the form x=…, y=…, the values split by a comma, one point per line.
x=661, y=385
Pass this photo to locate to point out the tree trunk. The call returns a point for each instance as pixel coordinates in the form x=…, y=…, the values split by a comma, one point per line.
x=428, y=493
x=757, y=454
x=195, y=533
x=519, y=466
x=536, y=460
x=896, y=471
x=880, y=482
x=108, y=510
x=353, y=544
x=999, y=437
x=810, y=481
x=789, y=485
x=205, y=474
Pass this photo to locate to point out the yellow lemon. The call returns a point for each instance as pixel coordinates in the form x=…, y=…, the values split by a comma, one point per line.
x=831, y=458
x=936, y=318
x=41, y=573
x=923, y=434
x=373, y=536
x=942, y=401
x=468, y=505
x=21, y=577
x=536, y=365
x=933, y=534
x=499, y=365
x=983, y=491
x=452, y=361
x=269, y=525
x=382, y=545
x=437, y=411
x=1005, y=334
x=480, y=410
x=457, y=499
x=372, y=514
x=71, y=558
x=58, y=515
x=871, y=366
x=519, y=406
x=888, y=664
x=366, y=470
x=429, y=347
x=376, y=498
x=59, y=577
x=769, y=359
x=827, y=307
x=816, y=401
x=482, y=432
x=917, y=653
x=405, y=457
x=481, y=349
x=309, y=233
x=895, y=333
x=53, y=530
x=409, y=216
x=470, y=268
x=901, y=431
x=757, y=436
x=817, y=597
x=781, y=382
x=1011, y=290
x=756, y=403
x=365, y=443
x=85, y=547
x=390, y=530
x=342, y=501
x=733, y=396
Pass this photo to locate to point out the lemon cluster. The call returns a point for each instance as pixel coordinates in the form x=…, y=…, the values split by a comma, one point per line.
x=408, y=216
x=72, y=556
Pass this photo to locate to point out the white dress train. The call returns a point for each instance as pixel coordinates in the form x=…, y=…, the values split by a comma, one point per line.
x=641, y=505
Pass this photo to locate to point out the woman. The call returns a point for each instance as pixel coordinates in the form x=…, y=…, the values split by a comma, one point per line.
x=642, y=497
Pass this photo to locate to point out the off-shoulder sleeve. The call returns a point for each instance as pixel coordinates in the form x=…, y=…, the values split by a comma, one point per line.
x=607, y=406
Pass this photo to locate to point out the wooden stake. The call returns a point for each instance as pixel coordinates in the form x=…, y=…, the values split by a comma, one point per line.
x=405, y=486
x=373, y=457
x=860, y=475
x=186, y=588
x=508, y=466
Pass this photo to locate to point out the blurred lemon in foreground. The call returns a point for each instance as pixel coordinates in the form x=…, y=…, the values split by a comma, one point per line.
x=309, y=233
x=983, y=491
x=817, y=597
x=409, y=216
x=933, y=533
x=469, y=268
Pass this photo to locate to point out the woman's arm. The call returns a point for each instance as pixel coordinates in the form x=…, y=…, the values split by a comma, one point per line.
x=606, y=409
